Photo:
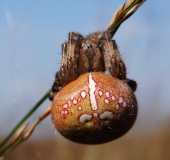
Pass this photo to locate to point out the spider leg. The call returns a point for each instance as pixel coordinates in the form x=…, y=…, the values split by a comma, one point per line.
x=113, y=61
x=73, y=47
x=112, y=58
x=55, y=86
x=68, y=68
x=61, y=76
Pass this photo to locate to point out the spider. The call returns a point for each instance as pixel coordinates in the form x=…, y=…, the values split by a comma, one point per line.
x=94, y=101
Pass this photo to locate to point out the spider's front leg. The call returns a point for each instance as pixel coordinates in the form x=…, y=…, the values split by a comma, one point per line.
x=72, y=54
x=55, y=87
x=113, y=61
x=68, y=68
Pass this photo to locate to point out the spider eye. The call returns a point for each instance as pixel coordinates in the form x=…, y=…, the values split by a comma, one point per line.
x=94, y=109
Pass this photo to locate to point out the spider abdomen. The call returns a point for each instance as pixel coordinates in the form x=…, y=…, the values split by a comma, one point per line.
x=95, y=108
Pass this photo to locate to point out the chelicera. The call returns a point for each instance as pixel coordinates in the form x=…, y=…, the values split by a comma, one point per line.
x=93, y=100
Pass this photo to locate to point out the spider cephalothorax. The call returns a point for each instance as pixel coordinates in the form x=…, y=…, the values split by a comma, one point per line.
x=95, y=53
x=93, y=101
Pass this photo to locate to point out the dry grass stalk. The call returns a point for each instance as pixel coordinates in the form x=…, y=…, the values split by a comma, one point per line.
x=45, y=113
x=31, y=129
x=123, y=13
x=15, y=139
x=129, y=3
x=117, y=14
x=19, y=133
x=20, y=136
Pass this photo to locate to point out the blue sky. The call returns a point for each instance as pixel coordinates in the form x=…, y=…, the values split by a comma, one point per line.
x=31, y=34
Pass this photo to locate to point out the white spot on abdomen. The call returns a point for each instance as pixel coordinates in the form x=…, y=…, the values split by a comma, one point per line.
x=83, y=94
x=69, y=103
x=64, y=112
x=100, y=93
x=120, y=99
x=107, y=115
x=74, y=101
x=79, y=108
x=85, y=118
x=107, y=94
x=95, y=114
x=65, y=105
x=113, y=98
x=124, y=104
x=92, y=89
x=106, y=101
x=117, y=106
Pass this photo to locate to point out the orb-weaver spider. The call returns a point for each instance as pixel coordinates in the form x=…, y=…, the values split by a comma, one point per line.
x=92, y=107
x=93, y=100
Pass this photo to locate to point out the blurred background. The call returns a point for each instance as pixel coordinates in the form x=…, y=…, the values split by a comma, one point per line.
x=31, y=34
